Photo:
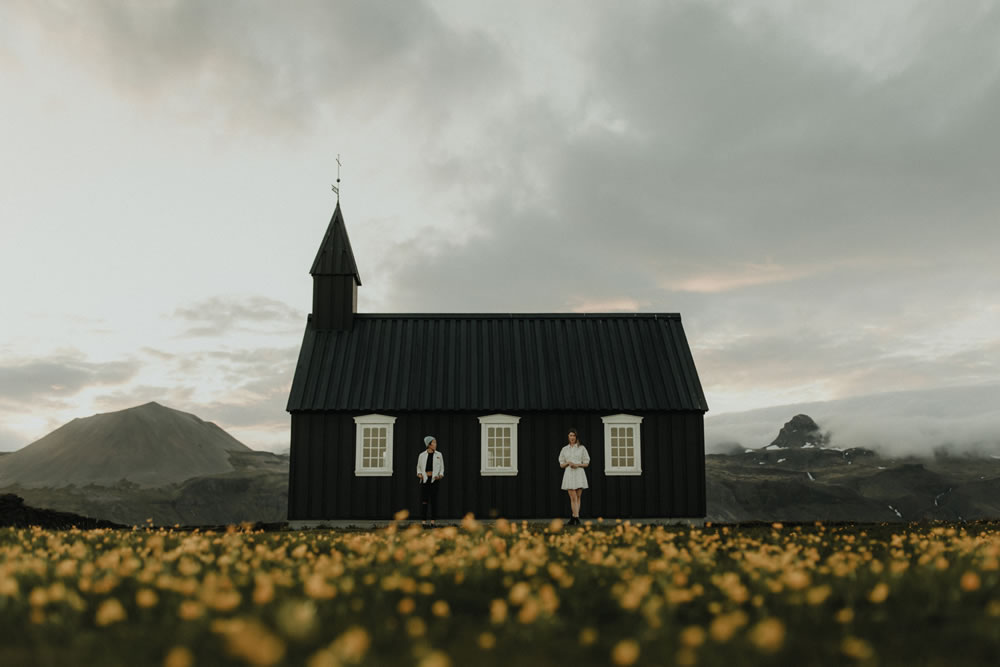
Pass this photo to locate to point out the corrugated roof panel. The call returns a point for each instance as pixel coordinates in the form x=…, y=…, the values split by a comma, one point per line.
x=498, y=362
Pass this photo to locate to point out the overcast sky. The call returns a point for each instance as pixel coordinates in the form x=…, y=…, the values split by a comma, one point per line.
x=813, y=186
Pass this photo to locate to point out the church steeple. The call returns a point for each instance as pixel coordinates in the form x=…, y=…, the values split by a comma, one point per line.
x=335, y=278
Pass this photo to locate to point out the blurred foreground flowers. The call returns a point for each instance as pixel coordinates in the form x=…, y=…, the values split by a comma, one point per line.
x=607, y=593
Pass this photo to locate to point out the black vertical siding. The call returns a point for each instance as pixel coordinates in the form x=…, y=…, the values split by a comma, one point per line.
x=322, y=484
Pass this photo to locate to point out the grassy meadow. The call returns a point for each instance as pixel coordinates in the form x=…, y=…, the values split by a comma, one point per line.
x=505, y=593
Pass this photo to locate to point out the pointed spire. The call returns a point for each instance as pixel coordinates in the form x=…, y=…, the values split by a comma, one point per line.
x=335, y=256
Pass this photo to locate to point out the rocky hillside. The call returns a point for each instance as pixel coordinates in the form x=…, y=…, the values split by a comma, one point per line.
x=148, y=445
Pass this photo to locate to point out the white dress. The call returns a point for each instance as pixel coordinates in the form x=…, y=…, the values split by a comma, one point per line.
x=574, y=478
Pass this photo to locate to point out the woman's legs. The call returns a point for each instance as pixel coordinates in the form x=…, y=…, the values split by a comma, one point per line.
x=574, y=501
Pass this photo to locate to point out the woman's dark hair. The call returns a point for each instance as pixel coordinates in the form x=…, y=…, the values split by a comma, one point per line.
x=574, y=432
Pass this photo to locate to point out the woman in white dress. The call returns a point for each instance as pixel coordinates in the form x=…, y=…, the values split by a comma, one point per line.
x=573, y=459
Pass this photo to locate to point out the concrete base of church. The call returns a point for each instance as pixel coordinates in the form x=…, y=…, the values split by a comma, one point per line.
x=367, y=524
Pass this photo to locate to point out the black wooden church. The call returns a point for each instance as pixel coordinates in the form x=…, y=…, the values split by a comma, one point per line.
x=499, y=392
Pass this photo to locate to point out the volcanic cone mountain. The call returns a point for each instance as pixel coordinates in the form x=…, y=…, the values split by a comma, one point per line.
x=149, y=445
x=798, y=433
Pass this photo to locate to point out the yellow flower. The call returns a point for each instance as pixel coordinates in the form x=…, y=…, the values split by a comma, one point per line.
x=416, y=627
x=178, y=656
x=297, y=618
x=352, y=645
x=498, y=612
x=263, y=591
x=529, y=612
x=856, y=648
x=519, y=593
x=879, y=593
x=317, y=587
x=844, y=616
x=39, y=597
x=625, y=652
x=435, y=659
x=190, y=610
x=768, y=635
x=692, y=636
x=818, y=594
x=588, y=636
x=110, y=611
x=440, y=608
x=970, y=582
x=146, y=597
x=795, y=579
x=9, y=587
x=250, y=640
x=66, y=568
x=723, y=627
x=486, y=640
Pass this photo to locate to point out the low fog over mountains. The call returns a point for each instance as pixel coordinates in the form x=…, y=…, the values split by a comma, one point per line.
x=910, y=423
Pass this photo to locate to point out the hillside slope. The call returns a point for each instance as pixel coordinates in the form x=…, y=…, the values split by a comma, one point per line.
x=149, y=445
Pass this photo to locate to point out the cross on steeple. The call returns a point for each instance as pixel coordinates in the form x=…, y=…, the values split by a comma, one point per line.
x=336, y=188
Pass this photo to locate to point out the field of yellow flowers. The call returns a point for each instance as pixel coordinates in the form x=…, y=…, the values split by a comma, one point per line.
x=504, y=593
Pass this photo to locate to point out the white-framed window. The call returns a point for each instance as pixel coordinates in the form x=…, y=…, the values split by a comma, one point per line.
x=498, y=449
x=622, y=445
x=373, y=447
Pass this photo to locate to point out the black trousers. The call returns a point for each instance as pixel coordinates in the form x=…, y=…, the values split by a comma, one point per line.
x=428, y=498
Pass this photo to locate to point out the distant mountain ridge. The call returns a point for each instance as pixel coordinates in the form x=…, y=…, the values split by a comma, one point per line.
x=148, y=445
x=800, y=432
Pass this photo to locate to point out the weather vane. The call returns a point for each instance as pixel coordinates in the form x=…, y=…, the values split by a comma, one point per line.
x=336, y=188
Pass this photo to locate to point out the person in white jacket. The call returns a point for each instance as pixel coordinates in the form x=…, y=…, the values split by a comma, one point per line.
x=430, y=471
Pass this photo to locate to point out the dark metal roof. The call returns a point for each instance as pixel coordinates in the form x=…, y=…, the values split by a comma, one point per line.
x=497, y=362
x=335, y=256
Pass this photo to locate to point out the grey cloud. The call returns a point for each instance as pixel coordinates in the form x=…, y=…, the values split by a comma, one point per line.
x=812, y=221
x=159, y=354
x=259, y=380
x=740, y=147
x=60, y=376
x=209, y=59
x=218, y=316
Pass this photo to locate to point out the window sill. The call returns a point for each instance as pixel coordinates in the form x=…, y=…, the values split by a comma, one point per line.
x=623, y=473
x=497, y=473
x=373, y=473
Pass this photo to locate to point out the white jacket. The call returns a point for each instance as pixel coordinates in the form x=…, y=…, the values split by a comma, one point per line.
x=438, y=464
